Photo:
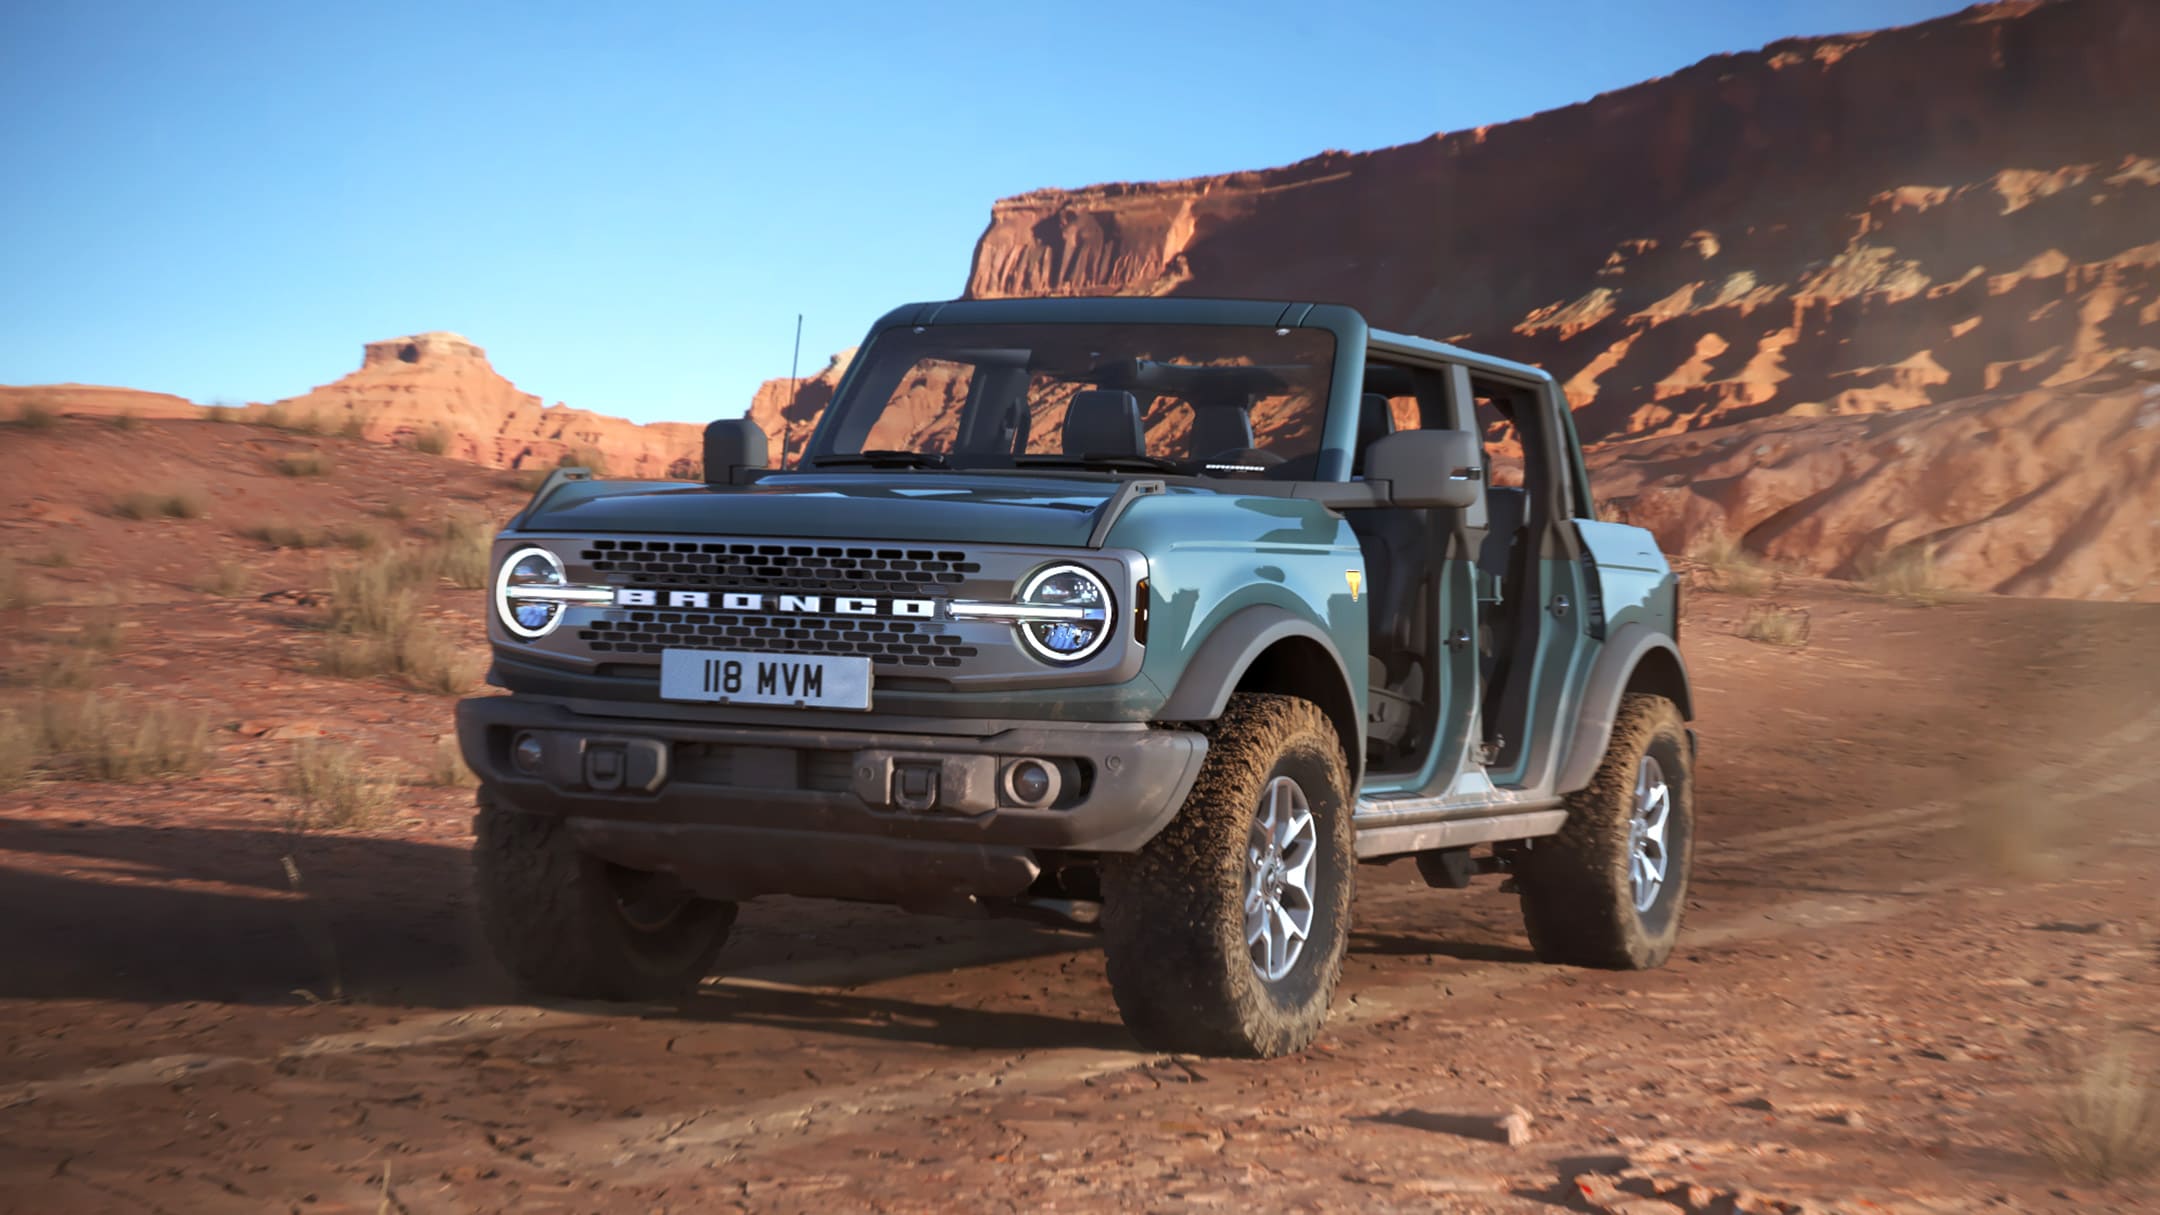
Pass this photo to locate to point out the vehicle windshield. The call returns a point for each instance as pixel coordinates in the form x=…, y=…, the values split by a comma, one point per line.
x=1198, y=400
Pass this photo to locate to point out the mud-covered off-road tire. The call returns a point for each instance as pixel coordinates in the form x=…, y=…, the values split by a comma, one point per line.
x=555, y=919
x=1578, y=899
x=1174, y=913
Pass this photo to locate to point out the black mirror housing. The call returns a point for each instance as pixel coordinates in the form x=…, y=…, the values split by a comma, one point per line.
x=1428, y=468
x=732, y=444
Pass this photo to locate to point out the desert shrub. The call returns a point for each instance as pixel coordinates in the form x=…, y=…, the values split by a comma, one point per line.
x=375, y=627
x=446, y=768
x=36, y=415
x=19, y=745
x=90, y=738
x=18, y=590
x=336, y=787
x=375, y=597
x=586, y=457
x=304, y=464
x=357, y=538
x=227, y=580
x=353, y=428
x=1729, y=567
x=223, y=413
x=54, y=559
x=172, y=504
x=432, y=662
x=395, y=508
x=432, y=440
x=527, y=479
x=100, y=627
x=1774, y=625
x=1905, y=572
x=467, y=541
x=280, y=534
x=65, y=667
x=2105, y=1121
x=125, y=420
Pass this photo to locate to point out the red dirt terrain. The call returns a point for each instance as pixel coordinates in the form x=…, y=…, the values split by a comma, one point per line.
x=1923, y=909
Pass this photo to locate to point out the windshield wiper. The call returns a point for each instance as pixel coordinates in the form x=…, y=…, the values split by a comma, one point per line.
x=882, y=459
x=1094, y=459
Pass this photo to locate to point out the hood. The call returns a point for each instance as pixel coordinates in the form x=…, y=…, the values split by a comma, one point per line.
x=953, y=507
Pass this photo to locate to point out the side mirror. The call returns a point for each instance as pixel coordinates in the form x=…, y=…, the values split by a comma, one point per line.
x=735, y=443
x=1428, y=468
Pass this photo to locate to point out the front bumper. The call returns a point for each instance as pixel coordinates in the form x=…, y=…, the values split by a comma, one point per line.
x=914, y=818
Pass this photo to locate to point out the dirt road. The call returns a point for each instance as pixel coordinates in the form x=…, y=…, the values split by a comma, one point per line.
x=1924, y=895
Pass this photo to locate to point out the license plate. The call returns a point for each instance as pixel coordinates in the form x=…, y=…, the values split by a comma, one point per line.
x=739, y=677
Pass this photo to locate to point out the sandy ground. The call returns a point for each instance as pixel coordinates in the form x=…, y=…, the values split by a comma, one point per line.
x=1924, y=893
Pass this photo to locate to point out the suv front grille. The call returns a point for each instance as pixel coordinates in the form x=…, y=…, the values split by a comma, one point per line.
x=886, y=642
x=753, y=566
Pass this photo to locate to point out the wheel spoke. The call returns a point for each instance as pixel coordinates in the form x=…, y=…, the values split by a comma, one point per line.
x=1256, y=917
x=1657, y=815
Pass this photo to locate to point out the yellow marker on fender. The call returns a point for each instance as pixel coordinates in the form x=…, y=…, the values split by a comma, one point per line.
x=1355, y=578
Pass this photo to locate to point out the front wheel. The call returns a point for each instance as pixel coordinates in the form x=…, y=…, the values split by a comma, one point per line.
x=1608, y=890
x=567, y=924
x=1225, y=934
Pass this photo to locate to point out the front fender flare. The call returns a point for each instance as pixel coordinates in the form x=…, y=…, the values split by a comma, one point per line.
x=1214, y=671
x=1612, y=676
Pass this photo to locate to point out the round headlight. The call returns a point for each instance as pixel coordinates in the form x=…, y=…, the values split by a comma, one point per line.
x=1079, y=620
x=527, y=568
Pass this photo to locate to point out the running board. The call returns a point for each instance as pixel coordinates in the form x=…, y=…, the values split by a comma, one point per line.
x=1378, y=837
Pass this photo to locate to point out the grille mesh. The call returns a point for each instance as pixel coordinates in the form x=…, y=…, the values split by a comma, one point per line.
x=743, y=565
x=885, y=642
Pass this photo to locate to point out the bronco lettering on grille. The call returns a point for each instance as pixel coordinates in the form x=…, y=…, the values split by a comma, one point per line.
x=751, y=601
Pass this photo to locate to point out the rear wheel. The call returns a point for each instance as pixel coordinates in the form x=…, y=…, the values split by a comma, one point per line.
x=1225, y=934
x=1609, y=889
x=567, y=924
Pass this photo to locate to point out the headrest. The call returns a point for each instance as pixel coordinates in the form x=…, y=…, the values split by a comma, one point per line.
x=1104, y=421
x=1375, y=421
x=1220, y=428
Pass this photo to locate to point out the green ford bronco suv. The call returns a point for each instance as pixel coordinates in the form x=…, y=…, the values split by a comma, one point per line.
x=1164, y=612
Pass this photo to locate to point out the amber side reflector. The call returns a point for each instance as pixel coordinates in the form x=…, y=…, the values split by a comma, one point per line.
x=1139, y=613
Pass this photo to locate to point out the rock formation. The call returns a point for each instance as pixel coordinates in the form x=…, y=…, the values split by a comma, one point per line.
x=442, y=384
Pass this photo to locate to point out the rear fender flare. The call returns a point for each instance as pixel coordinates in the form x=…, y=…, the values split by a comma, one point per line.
x=1634, y=659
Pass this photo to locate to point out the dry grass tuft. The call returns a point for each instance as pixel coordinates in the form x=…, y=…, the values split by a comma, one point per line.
x=447, y=769
x=89, y=738
x=54, y=559
x=433, y=441
x=227, y=580
x=527, y=479
x=65, y=667
x=280, y=534
x=304, y=464
x=19, y=742
x=36, y=415
x=1730, y=568
x=589, y=458
x=2105, y=1121
x=1906, y=572
x=468, y=540
x=278, y=417
x=353, y=428
x=125, y=420
x=171, y=504
x=376, y=629
x=18, y=591
x=395, y=508
x=1774, y=625
x=336, y=786
x=223, y=413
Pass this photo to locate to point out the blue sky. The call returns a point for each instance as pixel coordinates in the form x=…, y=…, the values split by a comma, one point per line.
x=628, y=204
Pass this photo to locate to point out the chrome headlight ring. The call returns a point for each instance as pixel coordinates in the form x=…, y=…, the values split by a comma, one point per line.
x=532, y=594
x=1063, y=613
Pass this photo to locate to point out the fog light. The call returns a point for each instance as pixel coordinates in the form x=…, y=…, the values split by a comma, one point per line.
x=1031, y=782
x=528, y=752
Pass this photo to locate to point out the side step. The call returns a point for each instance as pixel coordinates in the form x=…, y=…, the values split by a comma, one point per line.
x=1384, y=833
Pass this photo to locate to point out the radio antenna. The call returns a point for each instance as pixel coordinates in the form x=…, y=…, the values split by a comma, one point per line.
x=787, y=420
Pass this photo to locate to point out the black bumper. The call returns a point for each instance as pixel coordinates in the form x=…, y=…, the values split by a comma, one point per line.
x=913, y=818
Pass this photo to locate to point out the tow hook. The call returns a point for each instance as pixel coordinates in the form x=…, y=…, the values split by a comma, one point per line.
x=915, y=785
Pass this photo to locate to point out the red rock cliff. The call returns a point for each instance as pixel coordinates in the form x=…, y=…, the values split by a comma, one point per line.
x=1834, y=225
